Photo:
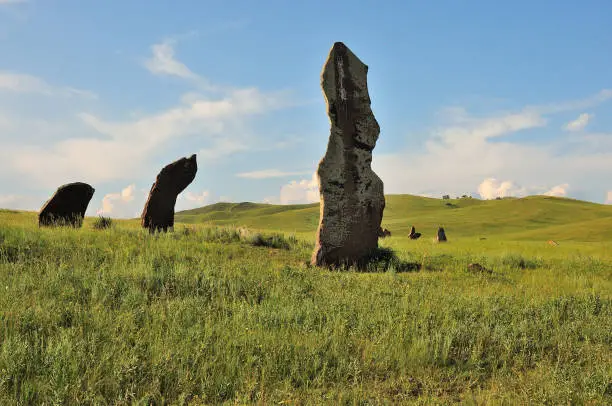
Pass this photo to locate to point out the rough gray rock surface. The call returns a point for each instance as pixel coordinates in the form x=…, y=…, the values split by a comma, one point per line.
x=67, y=206
x=158, y=213
x=352, y=198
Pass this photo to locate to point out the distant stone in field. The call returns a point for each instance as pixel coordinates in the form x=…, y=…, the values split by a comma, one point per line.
x=441, y=237
x=158, y=213
x=67, y=206
x=553, y=243
x=352, y=198
x=476, y=267
x=413, y=234
x=382, y=233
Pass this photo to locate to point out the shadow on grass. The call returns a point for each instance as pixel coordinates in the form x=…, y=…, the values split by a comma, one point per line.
x=383, y=260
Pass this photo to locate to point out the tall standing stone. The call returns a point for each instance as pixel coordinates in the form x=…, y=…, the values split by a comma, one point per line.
x=352, y=198
x=67, y=206
x=158, y=213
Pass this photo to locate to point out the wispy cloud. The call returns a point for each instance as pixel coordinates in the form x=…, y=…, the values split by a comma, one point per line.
x=190, y=200
x=115, y=203
x=600, y=97
x=297, y=192
x=464, y=129
x=492, y=188
x=221, y=148
x=21, y=202
x=130, y=201
x=103, y=150
x=269, y=173
x=163, y=62
x=558, y=191
x=23, y=83
x=459, y=155
x=580, y=123
x=12, y=1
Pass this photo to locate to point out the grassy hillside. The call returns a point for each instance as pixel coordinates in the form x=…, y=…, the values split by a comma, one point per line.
x=530, y=218
x=218, y=315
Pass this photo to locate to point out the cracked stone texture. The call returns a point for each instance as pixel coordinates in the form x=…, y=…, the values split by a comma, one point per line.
x=67, y=206
x=158, y=213
x=352, y=197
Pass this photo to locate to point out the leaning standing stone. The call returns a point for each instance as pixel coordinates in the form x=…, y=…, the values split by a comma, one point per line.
x=67, y=206
x=352, y=198
x=158, y=213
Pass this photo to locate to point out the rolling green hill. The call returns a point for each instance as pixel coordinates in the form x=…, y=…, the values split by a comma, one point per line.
x=529, y=218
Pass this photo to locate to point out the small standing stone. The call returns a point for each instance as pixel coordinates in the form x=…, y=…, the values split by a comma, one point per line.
x=441, y=237
x=383, y=232
x=413, y=234
x=67, y=206
x=476, y=267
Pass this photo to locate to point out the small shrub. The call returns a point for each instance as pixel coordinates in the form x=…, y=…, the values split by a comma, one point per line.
x=272, y=241
x=224, y=235
x=518, y=262
x=102, y=223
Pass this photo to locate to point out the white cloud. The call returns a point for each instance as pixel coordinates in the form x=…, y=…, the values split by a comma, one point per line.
x=122, y=204
x=580, y=123
x=129, y=202
x=302, y=191
x=558, y=191
x=591, y=101
x=200, y=198
x=189, y=200
x=465, y=127
x=271, y=200
x=223, y=147
x=269, y=173
x=22, y=83
x=197, y=116
x=102, y=150
x=458, y=156
x=120, y=150
x=491, y=188
x=609, y=197
x=163, y=62
x=21, y=202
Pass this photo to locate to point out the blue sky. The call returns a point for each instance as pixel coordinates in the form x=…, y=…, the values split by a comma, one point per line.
x=474, y=97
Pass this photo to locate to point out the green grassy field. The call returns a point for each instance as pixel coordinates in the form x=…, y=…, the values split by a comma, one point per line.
x=215, y=313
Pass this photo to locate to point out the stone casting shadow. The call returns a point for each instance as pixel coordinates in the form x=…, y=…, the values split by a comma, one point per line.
x=380, y=260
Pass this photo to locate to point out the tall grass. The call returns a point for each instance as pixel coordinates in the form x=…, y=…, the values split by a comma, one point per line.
x=209, y=315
